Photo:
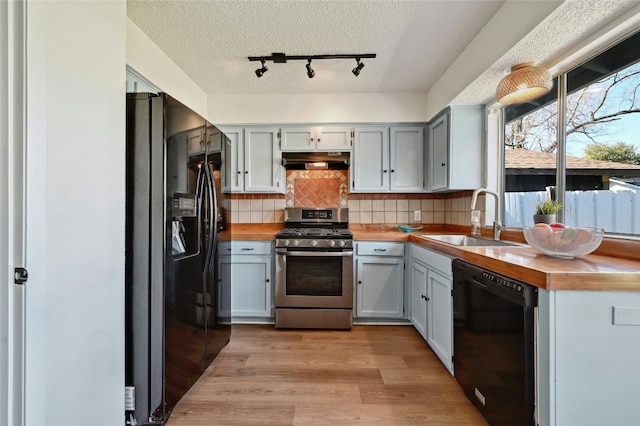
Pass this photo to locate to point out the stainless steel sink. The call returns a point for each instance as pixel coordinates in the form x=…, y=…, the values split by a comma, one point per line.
x=468, y=241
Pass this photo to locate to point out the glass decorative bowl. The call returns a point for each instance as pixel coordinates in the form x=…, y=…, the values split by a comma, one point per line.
x=564, y=243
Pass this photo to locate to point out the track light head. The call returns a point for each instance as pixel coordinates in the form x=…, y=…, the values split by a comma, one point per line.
x=358, y=68
x=262, y=70
x=310, y=72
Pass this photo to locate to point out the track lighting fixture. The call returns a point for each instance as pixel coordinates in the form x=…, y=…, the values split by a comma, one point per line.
x=281, y=58
x=358, y=68
x=310, y=72
x=262, y=70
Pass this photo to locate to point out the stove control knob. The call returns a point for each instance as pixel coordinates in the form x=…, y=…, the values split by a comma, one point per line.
x=296, y=242
x=287, y=243
x=342, y=243
x=314, y=243
x=332, y=243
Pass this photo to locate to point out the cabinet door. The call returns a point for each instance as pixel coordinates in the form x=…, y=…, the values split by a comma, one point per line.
x=250, y=285
x=439, y=153
x=440, y=317
x=214, y=139
x=297, y=138
x=233, y=164
x=370, y=169
x=195, y=142
x=333, y=138
x=262, y=169
x=406, y=159
x=177, y=173
x=379, y=288
x=419, y=298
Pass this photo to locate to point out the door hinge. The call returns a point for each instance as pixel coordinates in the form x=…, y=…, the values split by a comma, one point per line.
x=20, y=275
x=451, y=292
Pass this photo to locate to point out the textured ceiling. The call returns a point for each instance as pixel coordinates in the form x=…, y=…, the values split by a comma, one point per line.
x=416, y=41
x=571, y=23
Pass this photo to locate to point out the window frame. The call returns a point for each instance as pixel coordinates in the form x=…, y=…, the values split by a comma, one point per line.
x=558, y=92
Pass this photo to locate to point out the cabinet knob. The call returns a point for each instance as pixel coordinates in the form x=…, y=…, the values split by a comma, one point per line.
x=359, y=282
x=246, y=172
x=392, y=170
x=384, y=171
x=267, y=279
x=239, y=172
x=443, y=164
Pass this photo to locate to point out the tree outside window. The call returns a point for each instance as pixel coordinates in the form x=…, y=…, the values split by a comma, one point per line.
x=602, y=134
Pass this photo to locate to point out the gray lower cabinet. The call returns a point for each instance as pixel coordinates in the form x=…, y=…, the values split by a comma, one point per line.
x=379, y=283
x=246, y=272
x=432, y=301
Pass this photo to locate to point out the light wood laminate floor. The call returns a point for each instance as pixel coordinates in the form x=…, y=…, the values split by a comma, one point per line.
x=371, y=375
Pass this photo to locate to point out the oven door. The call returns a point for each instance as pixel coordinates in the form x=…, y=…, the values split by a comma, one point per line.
x=311, y=278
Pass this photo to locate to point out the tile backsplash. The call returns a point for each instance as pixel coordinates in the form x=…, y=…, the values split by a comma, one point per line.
x=317, y=188
x=329, y=188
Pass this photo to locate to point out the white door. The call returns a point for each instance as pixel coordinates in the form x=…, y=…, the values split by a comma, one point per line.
x=371, y=160
x=419, y=298
x=406, y=158
x=333, y=138
x=440, y=318
x=379, y=289
x=439, y=142
x=262, y=169
x=232, y=175
x=297, y=138
x=12, y=229
x=250, y=282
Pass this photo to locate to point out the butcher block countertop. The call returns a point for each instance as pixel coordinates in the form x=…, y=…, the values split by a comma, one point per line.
x=591, y=272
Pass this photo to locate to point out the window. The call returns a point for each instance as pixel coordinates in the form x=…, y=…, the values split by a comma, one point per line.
x=592, y=166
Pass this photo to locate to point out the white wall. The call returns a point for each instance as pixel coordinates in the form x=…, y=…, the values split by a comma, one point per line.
x=318, y=108
x=149, y=61
x=75, y=212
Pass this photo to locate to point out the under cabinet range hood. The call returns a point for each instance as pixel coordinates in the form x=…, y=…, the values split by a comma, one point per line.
x=315, y=160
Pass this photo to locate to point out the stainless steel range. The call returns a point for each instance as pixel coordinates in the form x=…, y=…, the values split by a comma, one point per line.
x=314, y=270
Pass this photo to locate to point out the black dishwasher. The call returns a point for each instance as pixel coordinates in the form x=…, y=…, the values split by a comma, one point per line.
x=493, y=319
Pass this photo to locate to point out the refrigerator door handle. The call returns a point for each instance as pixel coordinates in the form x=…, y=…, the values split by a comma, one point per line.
x=213, y=217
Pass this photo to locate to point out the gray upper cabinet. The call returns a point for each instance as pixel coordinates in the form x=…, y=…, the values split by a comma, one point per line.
x=307, y=138
x=406, y=159
x=370, y=165
x=455, y=149
x=251, y=160
x=208, y=141
x=388, y=159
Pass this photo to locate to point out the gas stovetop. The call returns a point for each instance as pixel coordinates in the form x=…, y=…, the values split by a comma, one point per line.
x=315, y=233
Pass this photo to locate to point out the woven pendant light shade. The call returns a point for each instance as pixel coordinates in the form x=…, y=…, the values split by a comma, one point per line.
x=526, y=82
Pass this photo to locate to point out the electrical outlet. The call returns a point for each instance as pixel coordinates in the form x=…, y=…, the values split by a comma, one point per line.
x=417, y=215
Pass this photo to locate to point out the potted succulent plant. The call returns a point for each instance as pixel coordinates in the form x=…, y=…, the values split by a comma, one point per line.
x=546, y=211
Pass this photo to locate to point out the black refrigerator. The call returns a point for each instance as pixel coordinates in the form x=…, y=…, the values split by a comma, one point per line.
x=173, y=215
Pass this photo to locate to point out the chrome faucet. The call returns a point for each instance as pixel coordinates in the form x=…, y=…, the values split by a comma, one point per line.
x=497, y=226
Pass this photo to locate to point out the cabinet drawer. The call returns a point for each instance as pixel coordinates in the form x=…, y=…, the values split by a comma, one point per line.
x=433, y=260
x=245, y=247
x=380, y=249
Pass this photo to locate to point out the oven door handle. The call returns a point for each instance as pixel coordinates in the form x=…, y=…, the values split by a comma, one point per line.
x=316, y=253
